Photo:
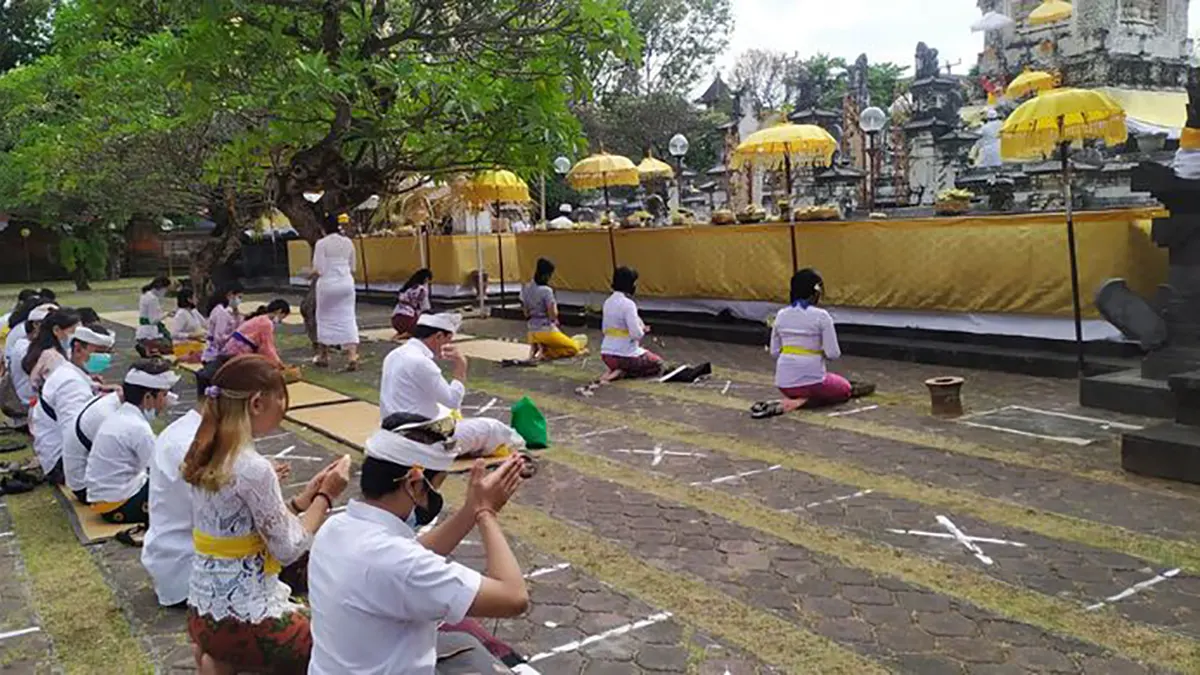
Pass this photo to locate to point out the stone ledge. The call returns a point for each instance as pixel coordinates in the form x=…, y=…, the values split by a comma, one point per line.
x=1170, y=451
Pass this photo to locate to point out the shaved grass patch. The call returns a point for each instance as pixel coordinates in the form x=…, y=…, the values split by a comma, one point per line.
x=693, y=601
x=1105, y=628
x=77, y=607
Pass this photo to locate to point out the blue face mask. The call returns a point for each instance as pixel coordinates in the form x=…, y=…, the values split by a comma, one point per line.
x=98, y=363
x=65, y=343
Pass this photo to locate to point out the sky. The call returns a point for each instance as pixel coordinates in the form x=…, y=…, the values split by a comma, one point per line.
x=887, y=30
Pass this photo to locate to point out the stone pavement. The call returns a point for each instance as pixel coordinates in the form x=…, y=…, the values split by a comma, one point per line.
x=668, y=532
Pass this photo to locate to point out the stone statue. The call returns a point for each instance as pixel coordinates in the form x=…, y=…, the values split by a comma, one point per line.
x=859, y=74
x=927, y=62
x=1168, y=328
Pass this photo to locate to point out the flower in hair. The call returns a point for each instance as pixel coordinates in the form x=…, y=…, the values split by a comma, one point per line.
x=212, y=391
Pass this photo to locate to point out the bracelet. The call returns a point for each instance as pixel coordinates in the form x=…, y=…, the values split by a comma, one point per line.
x=328, y=500
x=293, y=506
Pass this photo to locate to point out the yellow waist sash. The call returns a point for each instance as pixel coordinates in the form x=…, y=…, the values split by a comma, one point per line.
x=801, y=351
x=105, y=507
x=236, y=547
x=616, y=332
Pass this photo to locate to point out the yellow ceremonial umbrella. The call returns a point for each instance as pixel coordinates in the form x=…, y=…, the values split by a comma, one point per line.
x=785, y=144
x=602, y=171
x=1050, y=11
x=1053, y=121
x=488, y=187
x=1030, y=81
x=654, y=169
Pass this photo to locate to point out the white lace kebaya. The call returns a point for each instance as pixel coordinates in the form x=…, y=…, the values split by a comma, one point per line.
x=251, y=502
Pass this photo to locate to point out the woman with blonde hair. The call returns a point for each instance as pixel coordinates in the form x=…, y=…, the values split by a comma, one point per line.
x=239, y=615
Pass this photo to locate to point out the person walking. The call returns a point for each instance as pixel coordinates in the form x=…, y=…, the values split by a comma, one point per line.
x=334, y=263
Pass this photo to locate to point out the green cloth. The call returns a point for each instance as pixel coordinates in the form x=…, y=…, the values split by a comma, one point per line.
x=530, y=423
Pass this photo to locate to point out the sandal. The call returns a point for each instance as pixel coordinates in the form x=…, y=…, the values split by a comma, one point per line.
x=588, y=390
x=764, y=409
x=861, y=389
x=133, y=536
x=531, y=467
x=351, y=367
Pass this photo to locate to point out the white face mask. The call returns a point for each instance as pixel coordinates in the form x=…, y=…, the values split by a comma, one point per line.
x=150, y=414
x=172, y=398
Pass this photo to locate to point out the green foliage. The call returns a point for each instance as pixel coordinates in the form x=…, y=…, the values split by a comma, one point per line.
x=636, y=125
x=774, y=79
x=24, y=31
x=679, y=42
x=88, y=252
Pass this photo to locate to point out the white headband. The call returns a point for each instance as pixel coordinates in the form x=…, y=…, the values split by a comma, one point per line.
x=447, y=321
x=85, y=334
x=163, y=380
x=395, y=448
x=40, y=312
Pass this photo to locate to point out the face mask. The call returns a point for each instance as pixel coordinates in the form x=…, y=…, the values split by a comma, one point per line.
x=65, y=342
x=150, y=414
x=172, y=398
x=423, y=515
x=234, y=302
x=276, y=320
x=98, y=363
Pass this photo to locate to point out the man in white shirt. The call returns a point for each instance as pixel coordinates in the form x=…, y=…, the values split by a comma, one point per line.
x=68, y=390
x=117, y=484
x=167, y=550
x=78, y=434
x=14, y=353
x=413, y=383
x=378, y=591
x=563, y=221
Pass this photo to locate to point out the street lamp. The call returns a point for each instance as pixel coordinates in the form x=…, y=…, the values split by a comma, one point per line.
x=678, y=147
x=562, y=165
x=871, y=121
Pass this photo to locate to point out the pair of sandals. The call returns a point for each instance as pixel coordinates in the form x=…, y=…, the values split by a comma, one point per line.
x=765, y=409
x=351, y=366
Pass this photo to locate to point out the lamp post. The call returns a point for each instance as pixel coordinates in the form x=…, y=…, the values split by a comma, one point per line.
x=871, y=121
x=678, y=147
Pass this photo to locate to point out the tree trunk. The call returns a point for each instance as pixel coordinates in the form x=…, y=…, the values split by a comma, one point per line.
x=216, y=252
x=80, y=277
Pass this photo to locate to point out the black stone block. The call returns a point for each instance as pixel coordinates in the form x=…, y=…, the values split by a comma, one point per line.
x=1128, y=392
x=1186, y=388
x=1170, y=451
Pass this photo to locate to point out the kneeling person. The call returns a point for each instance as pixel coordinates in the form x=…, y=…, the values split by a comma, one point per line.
x=378, y=591
x=412, y=383
x=118, y=487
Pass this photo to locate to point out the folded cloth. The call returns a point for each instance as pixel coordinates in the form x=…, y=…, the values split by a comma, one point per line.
x=530, y=423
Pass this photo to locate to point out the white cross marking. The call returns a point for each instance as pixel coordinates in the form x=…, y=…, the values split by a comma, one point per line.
x=856, y=495
x=843, y=413
x=947, y=535
x=286, y=454
x=599, y=433
x=619, y=630
x=658, y=454
x=547, y=570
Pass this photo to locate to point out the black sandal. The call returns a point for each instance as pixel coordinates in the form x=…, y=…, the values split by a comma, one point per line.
x=764, y=409
x=133, y=536
x=531, y=467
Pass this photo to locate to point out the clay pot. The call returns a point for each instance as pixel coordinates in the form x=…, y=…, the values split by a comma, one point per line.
x=945, y=396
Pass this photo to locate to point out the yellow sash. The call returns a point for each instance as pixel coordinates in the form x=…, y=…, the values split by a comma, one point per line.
x=105, y=507
x=801, y=351
x=616, y=332
x=236, y=547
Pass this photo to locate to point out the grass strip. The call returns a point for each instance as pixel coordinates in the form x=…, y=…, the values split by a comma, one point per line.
x=76, y=605
x=1106, y=628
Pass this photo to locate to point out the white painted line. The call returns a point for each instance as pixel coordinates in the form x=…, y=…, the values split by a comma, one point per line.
x=19, y=633
x=1139, y=586
x=548, y=570
x=947, y=535
x=592, y=639
x=856, y=495
x=7, y=534
x=1061, y=439
x=601, y=432
x=658, y=454
x=962, y=539
x=843, y=413
x=1080, y=418
x=559, y=418
x=732, y=477
x=275, y=437
x=725, y=389
x=673, y=373
x=486, y=407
